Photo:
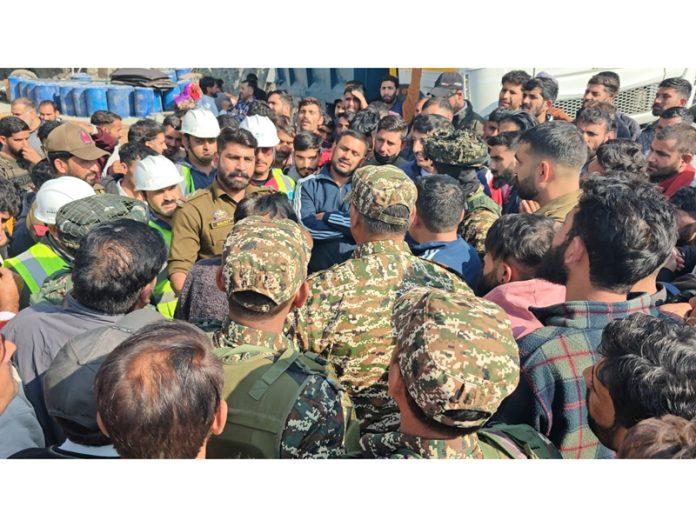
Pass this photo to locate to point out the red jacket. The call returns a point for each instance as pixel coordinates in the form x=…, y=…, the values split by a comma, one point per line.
x=683, y=179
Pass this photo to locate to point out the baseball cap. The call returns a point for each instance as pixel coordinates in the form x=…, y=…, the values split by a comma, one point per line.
x=456, y=354
x=454, y=147
x=71, y=138
x=375, y=188
x=268, y=256
x=76, y=219
x=446, y=83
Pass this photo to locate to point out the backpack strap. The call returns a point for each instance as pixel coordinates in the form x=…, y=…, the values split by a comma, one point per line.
x=519, y=441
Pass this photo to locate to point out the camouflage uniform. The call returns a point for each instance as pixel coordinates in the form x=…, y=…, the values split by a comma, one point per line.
x=460, y=149
x=270, y=257
x=458, y=360
x=481, y=212
x=74, y=221
x=17, y=171
x=348, y=316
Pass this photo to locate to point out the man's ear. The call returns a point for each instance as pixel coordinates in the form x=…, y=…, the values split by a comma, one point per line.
x=611, y=134
x=504, y=273
x=147, y=291
x=220, y=419
x=686, y=159
x=545, y=171
x=219, y=281
x=60, y=166
x=301, y=296
x=101, y=426
x=576, y=251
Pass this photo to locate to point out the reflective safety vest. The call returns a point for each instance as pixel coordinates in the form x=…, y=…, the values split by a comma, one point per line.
x=164, y=296
x=260, y=394
x=36, y=264
x=188, y=179
x=285, y=183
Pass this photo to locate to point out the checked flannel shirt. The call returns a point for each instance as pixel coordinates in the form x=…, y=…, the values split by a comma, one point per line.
x=551, y=394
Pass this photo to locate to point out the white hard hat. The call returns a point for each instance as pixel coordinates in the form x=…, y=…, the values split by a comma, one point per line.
x=156, y=173
x=55, y=193
x=262, y=128
x=200, y=122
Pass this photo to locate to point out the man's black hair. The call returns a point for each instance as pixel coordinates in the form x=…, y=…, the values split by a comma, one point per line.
x=111, y=266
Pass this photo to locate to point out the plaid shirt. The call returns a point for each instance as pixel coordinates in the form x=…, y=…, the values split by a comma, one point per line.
x=551, y=394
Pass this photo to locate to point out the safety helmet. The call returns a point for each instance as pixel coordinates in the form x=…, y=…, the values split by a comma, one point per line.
x=200, y=122
x=262, y=128
x=156, y=173
x=55, y=193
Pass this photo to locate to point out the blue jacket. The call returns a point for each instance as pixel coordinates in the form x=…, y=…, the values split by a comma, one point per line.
x=457, y=255
x=333, y=242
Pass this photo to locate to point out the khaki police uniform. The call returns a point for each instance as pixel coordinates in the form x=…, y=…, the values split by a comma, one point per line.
x=201, y=225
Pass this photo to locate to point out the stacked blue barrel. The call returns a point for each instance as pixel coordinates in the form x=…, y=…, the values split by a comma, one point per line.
x=81, y=96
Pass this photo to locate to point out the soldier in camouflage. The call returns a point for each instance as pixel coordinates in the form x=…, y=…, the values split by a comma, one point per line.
x=460, y=154
x=73, y=222
x=454, y=362
x=16, y=156
x=264, y=271
x=347, y=317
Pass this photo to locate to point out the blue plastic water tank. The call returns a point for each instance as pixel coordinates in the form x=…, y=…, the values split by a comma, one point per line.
x=157, y=106
x=82, y=77
x=45, y=91
x=144, y=101
x=96, y=99
x=79, y=96
x=168, y=97
x=180, y=72
x=65, y=100
x=120, y=100
x=14, y=87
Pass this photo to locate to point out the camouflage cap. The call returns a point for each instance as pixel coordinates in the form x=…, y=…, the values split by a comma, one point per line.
x=456, y=354
x=77, y=218
x=455, y=147
x=265, y=256
x=375, y=188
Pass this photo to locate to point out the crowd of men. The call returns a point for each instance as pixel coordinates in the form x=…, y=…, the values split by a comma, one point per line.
x=261, y=277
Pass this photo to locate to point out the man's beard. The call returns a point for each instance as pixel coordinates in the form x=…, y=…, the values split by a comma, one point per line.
x=506, y=177
x=281, y=156
x=552, y=266
x=605, y=435
x=662, y=175
x=386, y=160
x=487, y=283
x=388, y=99
x=526, y=189
x=229, y=182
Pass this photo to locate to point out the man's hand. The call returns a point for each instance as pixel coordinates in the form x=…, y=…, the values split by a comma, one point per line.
x=31, y=155
x=675, y=261
x=320, y=216
x=9, y=292
x=361, y=97
x=528, y=206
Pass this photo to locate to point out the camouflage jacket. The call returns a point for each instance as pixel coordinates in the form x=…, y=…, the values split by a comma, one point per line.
x=317, y=421
x=395, y=445
x=16, y=171
x=481, y=213
x=348, y=319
